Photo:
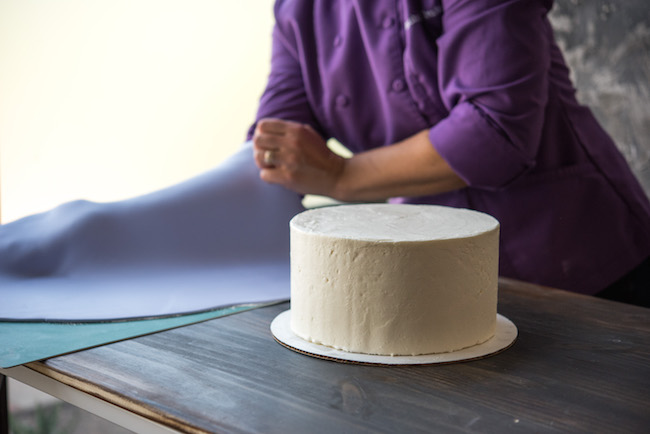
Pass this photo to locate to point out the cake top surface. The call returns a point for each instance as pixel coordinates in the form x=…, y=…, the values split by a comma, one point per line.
x=394, y=222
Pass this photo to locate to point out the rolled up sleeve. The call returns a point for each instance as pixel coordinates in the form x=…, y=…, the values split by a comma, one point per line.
x=493, y=77
x=285, y=95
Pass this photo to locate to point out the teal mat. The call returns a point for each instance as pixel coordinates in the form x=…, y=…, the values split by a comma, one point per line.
x=24, y=342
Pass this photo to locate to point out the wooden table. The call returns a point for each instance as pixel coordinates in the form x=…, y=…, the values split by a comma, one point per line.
x=580, y=364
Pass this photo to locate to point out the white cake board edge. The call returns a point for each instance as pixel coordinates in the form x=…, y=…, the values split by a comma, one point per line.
x=504, y=336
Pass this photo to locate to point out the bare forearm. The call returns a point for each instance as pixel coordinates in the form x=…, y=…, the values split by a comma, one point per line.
x=409, y=168
x=296, y=157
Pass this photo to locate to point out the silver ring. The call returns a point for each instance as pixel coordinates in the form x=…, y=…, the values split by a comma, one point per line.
x=269, y=157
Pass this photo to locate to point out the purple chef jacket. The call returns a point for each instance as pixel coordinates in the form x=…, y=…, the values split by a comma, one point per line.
x=488, y=81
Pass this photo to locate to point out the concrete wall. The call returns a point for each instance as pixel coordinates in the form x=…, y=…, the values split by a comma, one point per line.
x=607, y=46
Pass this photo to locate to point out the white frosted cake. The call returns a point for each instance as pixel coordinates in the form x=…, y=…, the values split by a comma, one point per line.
x=394, y=279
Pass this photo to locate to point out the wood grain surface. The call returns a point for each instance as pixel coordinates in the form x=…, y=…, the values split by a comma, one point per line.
x=580, y=364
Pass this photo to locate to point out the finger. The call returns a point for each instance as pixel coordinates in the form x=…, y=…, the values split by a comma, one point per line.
x=273, y=175
x=264, y=141
x=276, y=126
x=260, y=160
x=271, y=126
x=267, y=158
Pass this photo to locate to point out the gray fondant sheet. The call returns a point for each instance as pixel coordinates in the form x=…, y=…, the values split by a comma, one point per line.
x=219, y=239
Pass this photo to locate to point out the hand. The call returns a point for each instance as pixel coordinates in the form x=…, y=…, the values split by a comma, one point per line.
x=297, y=157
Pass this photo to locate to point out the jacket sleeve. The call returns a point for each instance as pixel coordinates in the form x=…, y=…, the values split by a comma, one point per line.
x=285, y=96
x=494, y=61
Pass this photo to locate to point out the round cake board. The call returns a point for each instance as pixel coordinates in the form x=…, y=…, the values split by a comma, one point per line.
x=504, y=337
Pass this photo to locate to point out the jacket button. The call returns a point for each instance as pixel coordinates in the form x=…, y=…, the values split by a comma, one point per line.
x=398, y=85
x=337, y=41
x=342, y=101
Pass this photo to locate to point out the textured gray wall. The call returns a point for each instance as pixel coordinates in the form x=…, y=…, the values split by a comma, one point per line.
x=607, y=46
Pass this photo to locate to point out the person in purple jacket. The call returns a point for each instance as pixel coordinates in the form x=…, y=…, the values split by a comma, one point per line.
x=460, y=103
